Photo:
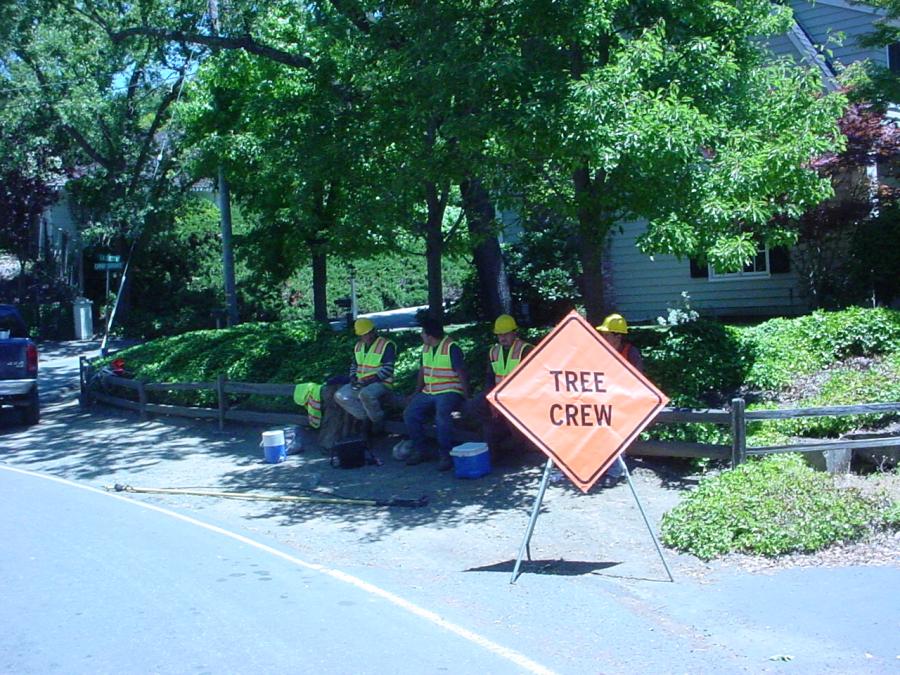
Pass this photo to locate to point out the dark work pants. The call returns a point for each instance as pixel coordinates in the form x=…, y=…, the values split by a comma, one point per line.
x=423, y=406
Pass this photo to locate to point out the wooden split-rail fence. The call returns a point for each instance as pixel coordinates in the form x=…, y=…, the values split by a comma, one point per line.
x=97, y=386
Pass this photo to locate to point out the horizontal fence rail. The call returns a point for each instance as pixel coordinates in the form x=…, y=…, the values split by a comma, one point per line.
x=824, y=411
x=736, y=418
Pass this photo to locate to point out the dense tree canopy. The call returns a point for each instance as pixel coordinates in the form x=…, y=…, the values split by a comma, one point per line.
x=349, y=125
x=105, y=105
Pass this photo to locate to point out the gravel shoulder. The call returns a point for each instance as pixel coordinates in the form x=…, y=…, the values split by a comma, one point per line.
x=470, y=524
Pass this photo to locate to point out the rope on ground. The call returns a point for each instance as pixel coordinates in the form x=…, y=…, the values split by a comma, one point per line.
x=250, y=496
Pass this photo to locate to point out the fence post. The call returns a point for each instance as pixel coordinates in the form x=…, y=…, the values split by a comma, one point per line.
x=142, y=399
x=738, y=433
x=220, y=392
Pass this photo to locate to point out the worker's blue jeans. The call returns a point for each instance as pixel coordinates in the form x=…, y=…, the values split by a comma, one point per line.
x=422, y=406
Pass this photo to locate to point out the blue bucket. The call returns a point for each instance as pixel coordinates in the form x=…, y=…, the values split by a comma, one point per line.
x=274, y=448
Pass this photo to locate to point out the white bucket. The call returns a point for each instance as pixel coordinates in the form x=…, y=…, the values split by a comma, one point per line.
x=274, y=449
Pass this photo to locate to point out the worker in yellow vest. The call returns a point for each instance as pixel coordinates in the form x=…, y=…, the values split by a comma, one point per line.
x=614, y=329
x=503, y=358
x=507, y=353
x=371, y=376
x=441, y=389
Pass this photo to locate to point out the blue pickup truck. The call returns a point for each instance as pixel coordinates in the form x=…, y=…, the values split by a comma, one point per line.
x=18, y=365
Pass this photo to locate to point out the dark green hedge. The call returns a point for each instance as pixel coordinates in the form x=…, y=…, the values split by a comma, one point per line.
x=698, y=364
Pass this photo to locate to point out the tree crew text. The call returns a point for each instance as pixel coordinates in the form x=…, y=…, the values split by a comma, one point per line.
x=584, y=414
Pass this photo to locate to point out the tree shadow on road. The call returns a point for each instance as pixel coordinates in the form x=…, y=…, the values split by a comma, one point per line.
x=104, y=446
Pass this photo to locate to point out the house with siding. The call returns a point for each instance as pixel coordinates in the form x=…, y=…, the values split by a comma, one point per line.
x=643, y=287
x=58, y=231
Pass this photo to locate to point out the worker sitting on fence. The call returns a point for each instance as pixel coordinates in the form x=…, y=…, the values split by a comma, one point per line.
x=503, y=357
x=441, y=388
x=371, y=376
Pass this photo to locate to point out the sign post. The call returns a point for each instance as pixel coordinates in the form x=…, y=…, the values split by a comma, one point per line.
x=582, y=404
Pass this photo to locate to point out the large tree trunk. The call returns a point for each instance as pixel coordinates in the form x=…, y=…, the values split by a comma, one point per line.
x=591, y=257
x=324, y=197
x=593, y=226
x=492, y=279
x=434, y=248
x=320, y=280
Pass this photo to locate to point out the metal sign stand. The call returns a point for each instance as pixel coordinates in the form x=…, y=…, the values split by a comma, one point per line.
x=534, y=514
x=526, y=542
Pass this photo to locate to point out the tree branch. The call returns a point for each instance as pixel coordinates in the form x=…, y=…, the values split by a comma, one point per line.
x=72, y=131
x=244, y=42
x=86, y=145
x=150, y=135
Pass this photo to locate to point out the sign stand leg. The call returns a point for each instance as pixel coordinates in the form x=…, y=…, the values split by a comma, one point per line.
x=644, y=516
x=534, y=514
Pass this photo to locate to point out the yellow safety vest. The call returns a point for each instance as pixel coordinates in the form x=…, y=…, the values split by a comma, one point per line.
x=368, y=362
x=502, y=367
x=309, y=395
x=439, y=376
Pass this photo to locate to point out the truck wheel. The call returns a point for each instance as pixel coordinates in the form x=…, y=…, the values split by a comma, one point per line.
x=33, y=411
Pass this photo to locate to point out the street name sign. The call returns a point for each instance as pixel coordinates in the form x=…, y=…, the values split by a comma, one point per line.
x=578, y=400
x=107, y=266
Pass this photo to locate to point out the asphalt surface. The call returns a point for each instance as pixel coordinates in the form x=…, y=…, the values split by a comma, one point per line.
x=595, y=599
x=106, y=584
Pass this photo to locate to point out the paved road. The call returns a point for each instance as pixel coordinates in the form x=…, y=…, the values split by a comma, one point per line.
x=595, y=600
x=101, y=584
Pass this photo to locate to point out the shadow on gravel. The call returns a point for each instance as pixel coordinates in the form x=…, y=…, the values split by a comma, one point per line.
x=451, y=502
x=105, y=446
x=108, y=446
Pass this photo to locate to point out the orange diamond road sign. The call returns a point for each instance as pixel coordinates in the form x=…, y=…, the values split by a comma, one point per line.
x=578, y=400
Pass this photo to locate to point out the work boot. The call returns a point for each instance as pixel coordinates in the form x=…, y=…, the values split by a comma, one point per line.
x=415, y=457
x=444, y=463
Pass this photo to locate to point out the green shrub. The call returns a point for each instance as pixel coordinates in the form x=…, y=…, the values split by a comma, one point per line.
x=769, y=507
x=694, y=363
x=786, y=348
x=382, y=282
x=879, y=384
x=690, y=432
x=697, y=364
x=283, y=352
x=891, y=516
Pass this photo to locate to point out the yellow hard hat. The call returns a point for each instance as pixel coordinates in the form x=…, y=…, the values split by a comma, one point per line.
x=505, y=324
x=614, y=323
x=363, y=326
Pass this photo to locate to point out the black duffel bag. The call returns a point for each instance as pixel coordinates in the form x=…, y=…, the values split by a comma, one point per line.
x=351, y=453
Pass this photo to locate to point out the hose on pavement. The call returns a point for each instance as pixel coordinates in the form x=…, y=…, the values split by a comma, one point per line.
x=250, y=496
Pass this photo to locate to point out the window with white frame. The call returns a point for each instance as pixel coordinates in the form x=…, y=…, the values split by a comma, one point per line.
x=755, y=268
